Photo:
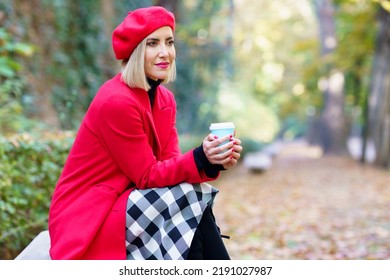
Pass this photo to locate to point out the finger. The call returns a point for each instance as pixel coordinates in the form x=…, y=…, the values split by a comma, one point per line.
x=230, y=160
x=237, y=141
x=236, y=155
x=211, y=137
x=220, y=158
x=237, y=148
x=225, y=151
x=230, y=164
x=220, y=144
x=225, y=138
x=209, y=143
x=219, y=155
x=218, y=140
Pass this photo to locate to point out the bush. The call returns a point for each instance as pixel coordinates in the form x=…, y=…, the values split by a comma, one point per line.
x=29, y=170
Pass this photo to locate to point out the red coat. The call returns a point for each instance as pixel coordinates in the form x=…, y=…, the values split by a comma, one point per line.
x=121, y=144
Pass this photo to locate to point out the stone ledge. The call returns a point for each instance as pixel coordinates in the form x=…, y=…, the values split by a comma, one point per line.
x=38, y=249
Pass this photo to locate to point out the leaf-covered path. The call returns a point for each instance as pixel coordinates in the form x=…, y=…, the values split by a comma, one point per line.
x=306, y=207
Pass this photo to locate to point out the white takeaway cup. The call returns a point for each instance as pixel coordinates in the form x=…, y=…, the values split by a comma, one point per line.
x=222, y=129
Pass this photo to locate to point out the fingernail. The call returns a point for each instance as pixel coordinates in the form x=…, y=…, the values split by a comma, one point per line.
x=234, y=143
x=215, y=137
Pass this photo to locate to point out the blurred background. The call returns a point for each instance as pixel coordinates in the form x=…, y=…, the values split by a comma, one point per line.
x=312, y=72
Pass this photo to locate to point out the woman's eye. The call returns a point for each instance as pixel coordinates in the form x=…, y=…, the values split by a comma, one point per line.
x=171, y=43
x=151, y=44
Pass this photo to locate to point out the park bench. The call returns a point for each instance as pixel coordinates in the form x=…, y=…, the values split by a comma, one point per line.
x=38, y=249
x=260, y=161
x=257, y=161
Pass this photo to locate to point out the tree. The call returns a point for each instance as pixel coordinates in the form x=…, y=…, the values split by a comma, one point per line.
x=379, y=99
x=355, y=62
x=331, y=128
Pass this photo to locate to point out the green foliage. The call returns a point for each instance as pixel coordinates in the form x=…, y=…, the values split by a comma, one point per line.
x=201, y=55
x=10, y=105
x=9, y=50
x=83, y=59
x=29, y=170
x=275, y=46
x=76, y=67
x=11, y=85
x=355, y=35
x=356, y=62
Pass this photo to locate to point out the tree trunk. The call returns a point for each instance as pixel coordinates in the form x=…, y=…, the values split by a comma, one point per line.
x=108, y=16
x=333, y=134
x=379, y=100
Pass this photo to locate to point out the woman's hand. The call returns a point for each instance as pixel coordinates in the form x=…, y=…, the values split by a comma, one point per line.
x=226, y=154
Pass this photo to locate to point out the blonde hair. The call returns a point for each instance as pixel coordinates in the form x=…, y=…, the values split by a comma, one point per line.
x=133, y=69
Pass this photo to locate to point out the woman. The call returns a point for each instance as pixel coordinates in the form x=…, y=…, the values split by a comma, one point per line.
x=126, y=149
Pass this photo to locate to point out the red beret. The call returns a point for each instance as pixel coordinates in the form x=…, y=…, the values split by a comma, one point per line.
x=136, y=26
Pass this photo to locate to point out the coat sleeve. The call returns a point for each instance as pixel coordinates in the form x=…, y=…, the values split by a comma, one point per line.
x=122, y=131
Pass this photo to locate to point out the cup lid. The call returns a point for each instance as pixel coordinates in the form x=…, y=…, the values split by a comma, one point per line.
x=223, y=125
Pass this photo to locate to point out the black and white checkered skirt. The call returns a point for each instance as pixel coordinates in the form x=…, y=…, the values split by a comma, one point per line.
x=161, y=222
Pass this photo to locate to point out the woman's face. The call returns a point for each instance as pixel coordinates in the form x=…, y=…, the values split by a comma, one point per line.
x=159, y=54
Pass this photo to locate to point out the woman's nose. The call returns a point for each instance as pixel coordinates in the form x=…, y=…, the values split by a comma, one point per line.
x=163, y=51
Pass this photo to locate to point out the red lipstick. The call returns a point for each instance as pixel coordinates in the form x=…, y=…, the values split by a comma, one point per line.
x=163, y=65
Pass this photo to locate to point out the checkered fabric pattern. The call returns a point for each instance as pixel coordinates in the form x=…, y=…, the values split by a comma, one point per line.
x=161, y=222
